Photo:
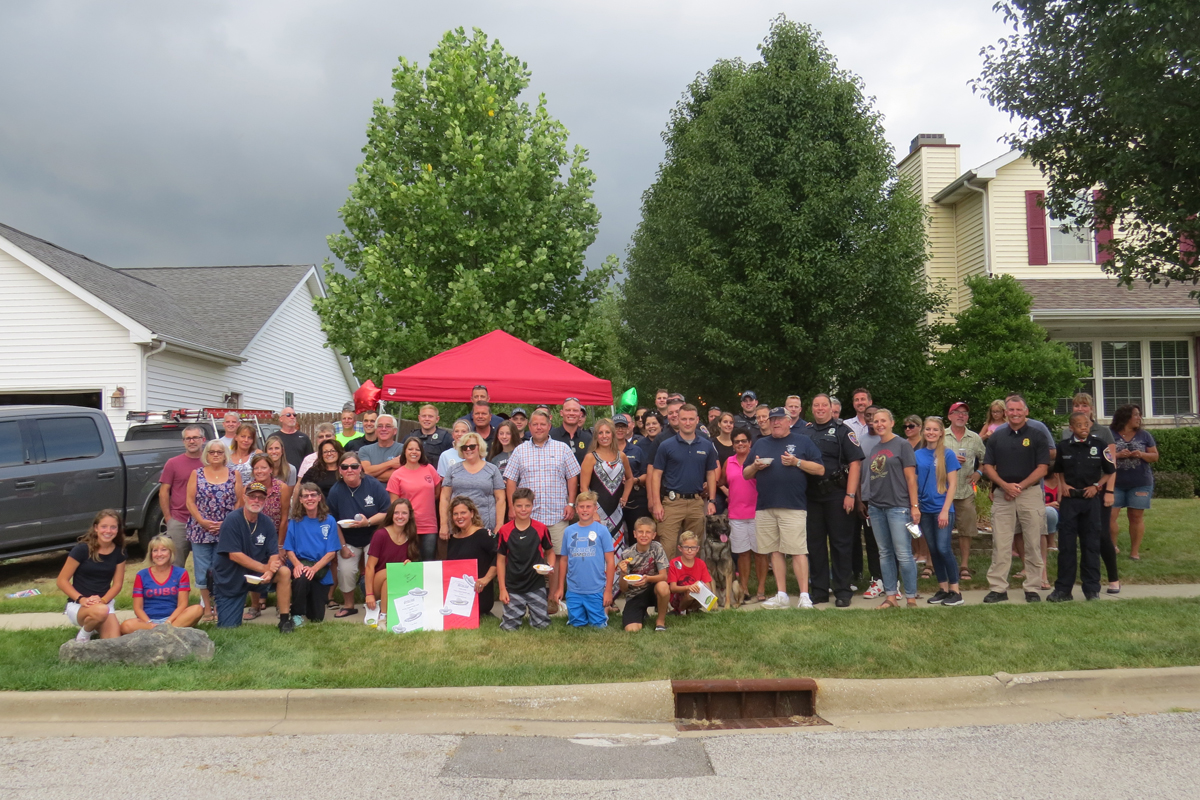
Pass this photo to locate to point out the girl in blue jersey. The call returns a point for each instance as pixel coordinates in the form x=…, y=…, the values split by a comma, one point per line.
x=161, y=592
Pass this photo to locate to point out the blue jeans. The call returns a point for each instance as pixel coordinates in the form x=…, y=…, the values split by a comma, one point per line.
x=229, y=609
x=945, y=565
x=202, y=560
x=895, y=549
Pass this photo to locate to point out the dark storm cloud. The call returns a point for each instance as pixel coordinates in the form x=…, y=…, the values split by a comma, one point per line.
x=143, y=133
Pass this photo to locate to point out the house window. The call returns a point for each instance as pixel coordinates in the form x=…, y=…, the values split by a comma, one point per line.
x=289, y=399
x=1121, y=372
x=1170, y=378
x=1083, y=354
x=1073, y=245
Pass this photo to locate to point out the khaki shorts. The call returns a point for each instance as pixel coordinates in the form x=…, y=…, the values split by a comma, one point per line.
x=556, y=534
x=781, y=530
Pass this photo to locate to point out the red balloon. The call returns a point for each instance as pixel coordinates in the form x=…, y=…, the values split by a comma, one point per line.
x=367, y=398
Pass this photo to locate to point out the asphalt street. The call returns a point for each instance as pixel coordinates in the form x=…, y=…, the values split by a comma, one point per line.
x=1151, y=756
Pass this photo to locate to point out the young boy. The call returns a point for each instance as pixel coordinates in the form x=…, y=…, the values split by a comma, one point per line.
x=586, y=563
x=648, y=559
x=686, y=573
x=524, y=542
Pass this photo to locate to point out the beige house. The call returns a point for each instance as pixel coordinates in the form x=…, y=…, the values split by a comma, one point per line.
x=1140, y=343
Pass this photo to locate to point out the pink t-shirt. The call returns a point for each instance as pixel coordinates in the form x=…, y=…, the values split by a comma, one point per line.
x=743, y=494
x=175, y=474
x=419, y=486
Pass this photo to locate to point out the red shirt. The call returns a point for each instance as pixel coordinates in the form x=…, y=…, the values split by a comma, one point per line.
x=686, y=576
x=388, y=552
x=175, y=474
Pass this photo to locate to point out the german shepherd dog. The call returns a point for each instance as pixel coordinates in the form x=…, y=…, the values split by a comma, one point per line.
x=717, y=553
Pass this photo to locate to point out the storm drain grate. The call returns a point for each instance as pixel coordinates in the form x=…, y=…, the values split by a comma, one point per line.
x=748, y=704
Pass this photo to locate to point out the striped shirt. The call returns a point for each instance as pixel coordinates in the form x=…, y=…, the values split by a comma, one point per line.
x=545, y=469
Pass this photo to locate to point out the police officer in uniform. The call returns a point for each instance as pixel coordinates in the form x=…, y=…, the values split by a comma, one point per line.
x=831, y=504
x=434, y=440
x=1084, y=461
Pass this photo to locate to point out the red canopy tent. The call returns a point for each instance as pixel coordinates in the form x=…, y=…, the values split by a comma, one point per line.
x=512, y=370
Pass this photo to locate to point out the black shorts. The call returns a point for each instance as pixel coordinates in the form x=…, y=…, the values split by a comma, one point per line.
x=636, y=606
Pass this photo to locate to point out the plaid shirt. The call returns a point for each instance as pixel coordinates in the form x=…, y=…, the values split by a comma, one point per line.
x=545, y=469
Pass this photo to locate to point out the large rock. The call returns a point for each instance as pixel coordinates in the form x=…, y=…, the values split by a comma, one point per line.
x=159, y=645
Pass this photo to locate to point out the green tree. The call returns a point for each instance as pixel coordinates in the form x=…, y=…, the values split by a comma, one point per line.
x=994, y=349
x=777, y=250
x=468, y=214
x=1108, y=94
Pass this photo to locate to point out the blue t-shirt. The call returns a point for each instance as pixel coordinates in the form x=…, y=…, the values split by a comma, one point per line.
x=260, y=541
x=159, y=600
x=780, y=486
x=685, y=466
x=585, y=557
x=310, y=539
x=929, y=498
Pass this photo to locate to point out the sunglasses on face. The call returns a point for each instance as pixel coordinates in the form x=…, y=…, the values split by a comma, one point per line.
x=910, y=426
x=351, y=467
x=468, y=447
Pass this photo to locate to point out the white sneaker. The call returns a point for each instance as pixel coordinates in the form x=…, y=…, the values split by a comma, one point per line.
x=874, y=590
x=805, y=601
x=780, y=600
x=84, y=636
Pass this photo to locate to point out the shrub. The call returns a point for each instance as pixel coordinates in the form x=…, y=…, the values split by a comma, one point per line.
x=1177, y=485
x=1178, y=451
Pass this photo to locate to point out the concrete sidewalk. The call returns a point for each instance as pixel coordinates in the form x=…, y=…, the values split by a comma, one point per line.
x=51, y=619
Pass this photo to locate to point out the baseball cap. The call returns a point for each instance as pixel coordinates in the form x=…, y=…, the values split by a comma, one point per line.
x=778, y=411
x=621, y=419
x=749, y=394
x=955, y=406
x=518, y=410
x=256, y=487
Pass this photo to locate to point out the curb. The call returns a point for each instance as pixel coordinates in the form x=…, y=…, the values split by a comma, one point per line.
x=622, y=703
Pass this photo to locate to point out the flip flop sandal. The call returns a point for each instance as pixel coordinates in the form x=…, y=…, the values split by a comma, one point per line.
x=333, y=605
x=1019, y=576
x=911, y=602
x=251, y=613
x=926, y=573
x=345, y=612
x=660, y=627
x=887, y=603
x=760, y=598
x=965, y=574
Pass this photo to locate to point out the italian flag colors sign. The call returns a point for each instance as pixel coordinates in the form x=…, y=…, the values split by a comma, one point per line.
x=432, y=596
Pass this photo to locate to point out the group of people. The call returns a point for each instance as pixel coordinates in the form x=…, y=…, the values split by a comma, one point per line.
x=563, y=515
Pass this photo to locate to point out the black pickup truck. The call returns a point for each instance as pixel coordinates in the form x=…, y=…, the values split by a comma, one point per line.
x=59, y=465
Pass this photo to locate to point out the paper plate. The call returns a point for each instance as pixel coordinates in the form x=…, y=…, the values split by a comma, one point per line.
x=255, y=579
x=543, y=569
x=635, y=578
x=347, y=521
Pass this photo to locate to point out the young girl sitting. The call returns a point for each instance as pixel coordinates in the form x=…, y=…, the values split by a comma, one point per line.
x=395, y=543
x=93, y=576
x=161, y=592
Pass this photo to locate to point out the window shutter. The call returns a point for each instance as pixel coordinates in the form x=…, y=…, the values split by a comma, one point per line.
x=1035, y=228
x=1103, y=234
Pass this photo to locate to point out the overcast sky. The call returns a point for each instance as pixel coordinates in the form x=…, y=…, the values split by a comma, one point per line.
x=205, y=132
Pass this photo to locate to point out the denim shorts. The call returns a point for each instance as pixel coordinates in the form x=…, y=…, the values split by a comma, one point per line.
x=202, y=561
x=1137, y=497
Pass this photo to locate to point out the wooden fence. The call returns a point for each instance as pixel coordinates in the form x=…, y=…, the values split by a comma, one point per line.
x=309, y=421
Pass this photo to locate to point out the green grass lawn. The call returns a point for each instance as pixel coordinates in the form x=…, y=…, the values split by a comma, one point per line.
x=1170, y=554
x=970, y=640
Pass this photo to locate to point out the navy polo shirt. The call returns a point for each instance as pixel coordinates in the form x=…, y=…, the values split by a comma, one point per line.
x=1016, y=454
x=780, y=486
x=685, y=466
x=579, y=443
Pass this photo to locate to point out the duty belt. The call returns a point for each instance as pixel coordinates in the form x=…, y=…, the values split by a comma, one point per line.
x=681, y=495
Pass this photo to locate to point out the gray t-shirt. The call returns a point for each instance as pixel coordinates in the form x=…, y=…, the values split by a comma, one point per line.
x=377, y=454
x=478, y=487
x=888, y=486
x=651, y=562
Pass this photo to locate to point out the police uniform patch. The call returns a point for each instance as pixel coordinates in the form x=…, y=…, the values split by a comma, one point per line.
x=1024, y=443
x=582, y=445
x=434, y=437
x=1109, y=457
x=1093, y=452
x=853, y=437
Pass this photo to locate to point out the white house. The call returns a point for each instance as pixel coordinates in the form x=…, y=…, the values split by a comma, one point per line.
x=76, y=331
x=1140, y=342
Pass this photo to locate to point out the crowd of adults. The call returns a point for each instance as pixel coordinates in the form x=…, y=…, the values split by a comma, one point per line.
x=842, y=501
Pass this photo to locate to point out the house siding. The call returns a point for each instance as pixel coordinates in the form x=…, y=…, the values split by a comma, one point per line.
x=928, y=170
x=1010, y=251
x=969, y=246
x=287, y=355
x=51, y=341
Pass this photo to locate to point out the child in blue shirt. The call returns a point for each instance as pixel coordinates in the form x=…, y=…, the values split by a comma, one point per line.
x=586, y=566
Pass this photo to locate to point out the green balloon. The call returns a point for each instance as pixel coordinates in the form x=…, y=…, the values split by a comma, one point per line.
x=628, y=402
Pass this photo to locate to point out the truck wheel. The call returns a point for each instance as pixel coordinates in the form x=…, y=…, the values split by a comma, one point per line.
x=153, y=526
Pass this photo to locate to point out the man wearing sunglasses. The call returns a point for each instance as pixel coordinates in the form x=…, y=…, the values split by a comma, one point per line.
x=362, y=502
x=296, y=444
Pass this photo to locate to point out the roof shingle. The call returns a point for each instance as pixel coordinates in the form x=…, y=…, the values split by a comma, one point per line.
x=1085, y=294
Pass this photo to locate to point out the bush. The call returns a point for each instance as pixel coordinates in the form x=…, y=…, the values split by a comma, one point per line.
x=1178, y=485
x=1178, y=451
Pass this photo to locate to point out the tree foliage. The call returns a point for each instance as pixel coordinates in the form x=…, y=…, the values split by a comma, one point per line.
x=1108, y=94
x=468, y=214
x=994, y=349
x=776, y=249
